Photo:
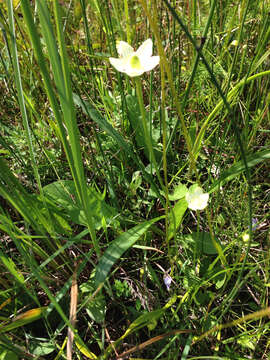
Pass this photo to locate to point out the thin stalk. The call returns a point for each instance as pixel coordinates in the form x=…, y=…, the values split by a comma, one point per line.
x=127, y=21
x=195, y=253
x=151, y=108
x=163, y=60
x=138, y=83
x=194, y=69
x=164, y=154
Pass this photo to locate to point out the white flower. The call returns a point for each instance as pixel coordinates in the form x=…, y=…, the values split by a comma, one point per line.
x=134, y=63
x=234, y=43
x=245, y=237
x=196, y=198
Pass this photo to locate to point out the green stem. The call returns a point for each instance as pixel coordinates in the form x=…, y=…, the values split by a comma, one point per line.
x=215, y=243
x=147, y=137
x=152, y=18
x=164, y=160
x=148, y=141
x=127, y=21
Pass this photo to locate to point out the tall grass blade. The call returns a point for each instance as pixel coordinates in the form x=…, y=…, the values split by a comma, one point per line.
x=66, y=118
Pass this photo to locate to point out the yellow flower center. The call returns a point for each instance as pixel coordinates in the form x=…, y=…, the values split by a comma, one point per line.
x=135, y=62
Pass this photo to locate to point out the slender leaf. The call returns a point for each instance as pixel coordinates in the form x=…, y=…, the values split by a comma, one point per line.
x=238, y=168
x=23, y=319
x=118, y=247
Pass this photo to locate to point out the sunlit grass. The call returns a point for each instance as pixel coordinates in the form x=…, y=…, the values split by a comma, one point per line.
x=134, y=192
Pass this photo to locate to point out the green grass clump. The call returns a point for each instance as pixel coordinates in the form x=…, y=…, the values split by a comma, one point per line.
x=103, y=255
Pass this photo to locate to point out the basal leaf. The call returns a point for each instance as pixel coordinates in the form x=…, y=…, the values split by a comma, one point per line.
x=118, y=247
x=178, y=192
x=175, y=216
x=64, y=194
x=202, y=241
x=96, y=306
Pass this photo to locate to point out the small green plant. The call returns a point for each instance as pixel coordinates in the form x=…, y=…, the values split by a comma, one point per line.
x=121, y=288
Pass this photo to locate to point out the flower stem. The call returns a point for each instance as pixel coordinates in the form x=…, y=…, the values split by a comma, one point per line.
x=152, y=18
x=152, y=158
x=147, y=137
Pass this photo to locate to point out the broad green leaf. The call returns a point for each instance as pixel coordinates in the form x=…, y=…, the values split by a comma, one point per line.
x=137, y=127
x=239, y=167
x=95, y=307
x=178, y=193
x=135, y=120
x=220, y=280
x=64, y=193
x=202, y=241
x=118, y=247
x=176, y=215
x=40, y=347
x=8, y=355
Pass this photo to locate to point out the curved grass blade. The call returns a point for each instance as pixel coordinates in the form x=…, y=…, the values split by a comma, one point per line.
x=23, y=319
x=147, y=319
x=239, y=167
x=230, y=97
x=85, y=351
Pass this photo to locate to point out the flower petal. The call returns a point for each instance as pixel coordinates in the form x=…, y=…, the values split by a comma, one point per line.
x=124, y=49
x=202, y=203
x=119, y=64
x=132, y=72
x=167, y=281
x=145, y=50
x=196, y=199
x=148, y=63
